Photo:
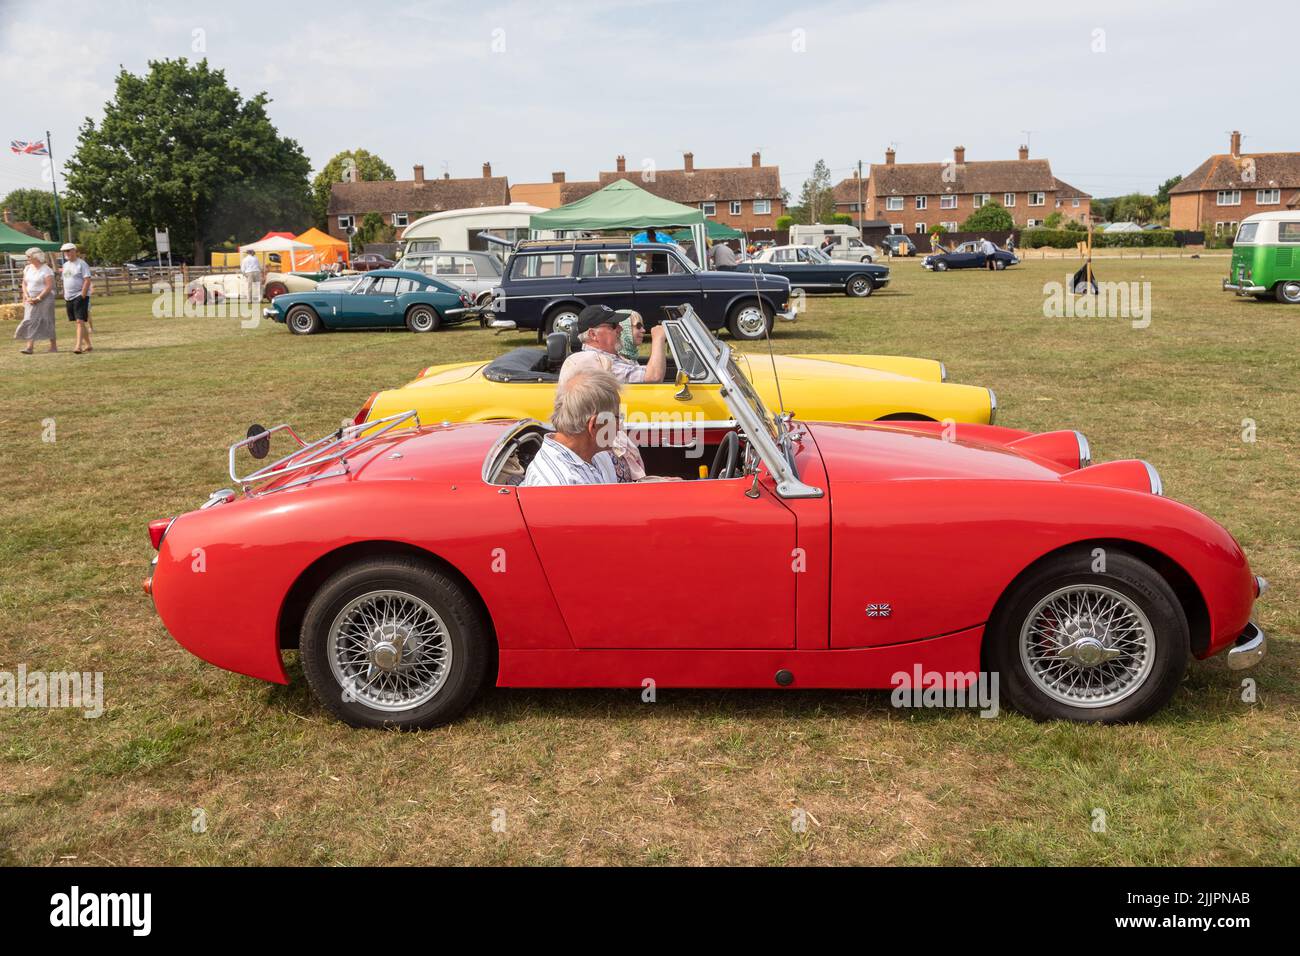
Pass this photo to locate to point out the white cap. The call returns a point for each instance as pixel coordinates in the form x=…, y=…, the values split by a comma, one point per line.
x=68, y=247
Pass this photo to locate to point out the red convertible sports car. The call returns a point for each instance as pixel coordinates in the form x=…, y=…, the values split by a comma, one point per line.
x=409, y=567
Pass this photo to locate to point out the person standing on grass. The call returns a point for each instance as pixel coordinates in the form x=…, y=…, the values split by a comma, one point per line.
x=252, y=270
x=38, y=302
x=77, y=285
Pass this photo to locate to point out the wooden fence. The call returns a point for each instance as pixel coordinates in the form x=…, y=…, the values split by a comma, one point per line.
x=117, y=280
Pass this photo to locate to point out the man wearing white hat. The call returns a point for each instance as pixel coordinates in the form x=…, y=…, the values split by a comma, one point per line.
x=76, y=294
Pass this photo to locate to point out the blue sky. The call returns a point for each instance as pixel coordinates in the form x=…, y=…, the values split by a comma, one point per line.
x=1118, y=95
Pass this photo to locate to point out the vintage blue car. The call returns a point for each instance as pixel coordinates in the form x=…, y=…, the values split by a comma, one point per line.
x=547, y=282
x=812, y=270
x=379, y=299
x=968, y=256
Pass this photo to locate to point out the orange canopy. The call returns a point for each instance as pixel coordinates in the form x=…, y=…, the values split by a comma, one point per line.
x=326, y=249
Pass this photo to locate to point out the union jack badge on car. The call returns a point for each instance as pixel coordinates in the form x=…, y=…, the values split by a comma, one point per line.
x=879, y=610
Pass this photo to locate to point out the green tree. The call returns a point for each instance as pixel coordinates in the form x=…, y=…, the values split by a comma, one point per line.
x=816, y=200
x=368, y=166
x=179, y=148
x=784, y=222
x=990, y=217
x=112, y=242
x=1055, y=220
x=37, y=207
x=1135, y=207
x=1162, y=194
x=373, y=229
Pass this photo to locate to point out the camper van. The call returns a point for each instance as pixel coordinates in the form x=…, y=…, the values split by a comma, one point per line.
x=1266, y=257
x=848, y=247
x=458, y=229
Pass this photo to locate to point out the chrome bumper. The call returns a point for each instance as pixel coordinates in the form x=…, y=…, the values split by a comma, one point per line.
x=269, y=312
x=787, y=316
x=1242, y=288
x=1249, y=649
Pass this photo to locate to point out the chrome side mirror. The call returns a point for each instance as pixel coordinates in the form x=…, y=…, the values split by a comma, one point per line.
x=683, y=393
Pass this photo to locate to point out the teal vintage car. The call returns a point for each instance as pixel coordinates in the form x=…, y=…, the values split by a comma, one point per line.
x=380, y=299
x=1266, y=257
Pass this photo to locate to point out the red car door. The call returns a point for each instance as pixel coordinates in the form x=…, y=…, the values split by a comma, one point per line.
x=679, y=564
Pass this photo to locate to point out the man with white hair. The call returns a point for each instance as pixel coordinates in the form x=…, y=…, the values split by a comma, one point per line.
x=585, y=419
x=598, y=330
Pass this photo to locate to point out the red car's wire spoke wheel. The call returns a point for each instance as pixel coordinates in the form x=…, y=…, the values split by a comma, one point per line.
x=1087, y=646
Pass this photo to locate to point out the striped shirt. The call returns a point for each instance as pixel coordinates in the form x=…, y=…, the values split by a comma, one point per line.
x=556, y=465
x=625, y=370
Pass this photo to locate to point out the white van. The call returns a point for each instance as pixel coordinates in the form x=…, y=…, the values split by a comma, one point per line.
x=848, y=247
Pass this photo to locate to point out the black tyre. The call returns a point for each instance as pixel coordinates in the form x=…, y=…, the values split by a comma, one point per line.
x=750, y=321
x=1288, y=292
x=999, y=265
x=859, y=286
x=423, y=318
x=941, y=266
x=1091, y=636
x=302, y=320
x=392, y=642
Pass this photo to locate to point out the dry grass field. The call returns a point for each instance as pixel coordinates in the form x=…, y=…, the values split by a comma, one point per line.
x=597, y=777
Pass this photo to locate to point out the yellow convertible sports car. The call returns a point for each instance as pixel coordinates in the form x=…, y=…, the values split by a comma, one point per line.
x=521, y=384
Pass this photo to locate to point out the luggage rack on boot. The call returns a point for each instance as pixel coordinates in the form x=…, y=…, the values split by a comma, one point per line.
x=320, y=452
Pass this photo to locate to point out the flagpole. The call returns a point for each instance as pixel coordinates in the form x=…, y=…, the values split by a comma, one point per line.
x=54, y=186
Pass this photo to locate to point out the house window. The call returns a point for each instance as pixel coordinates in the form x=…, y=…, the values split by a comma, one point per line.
x=1033, y=222
x=1268, y=197
x=1074, y=203
x=1008, y=199
x=894, y=203
x=895, y=228
x=763, y=207
x=1058, y=204
x=980, y=199
x=1038, y=199
x=345, y=222
x=947, y=202
x=709, y=208
x=401, y=219
x=920, y=229
x=1225, y=228
x=735, y=207
x=920, y=202
x=950, y=226
x=1228, y=197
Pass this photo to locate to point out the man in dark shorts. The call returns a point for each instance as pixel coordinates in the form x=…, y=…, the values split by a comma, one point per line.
x=76, y=294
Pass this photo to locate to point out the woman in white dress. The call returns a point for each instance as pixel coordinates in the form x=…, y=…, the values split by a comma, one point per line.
x=38, y=302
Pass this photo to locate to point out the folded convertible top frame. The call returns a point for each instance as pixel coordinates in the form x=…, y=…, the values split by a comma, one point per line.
x=322, y=451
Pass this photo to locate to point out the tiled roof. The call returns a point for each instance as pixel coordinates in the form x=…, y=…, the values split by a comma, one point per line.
x=706, y=185
x=985, y=176
x=846, y=190
x=1221, y=171
x=1065, y=191
x=433, y=195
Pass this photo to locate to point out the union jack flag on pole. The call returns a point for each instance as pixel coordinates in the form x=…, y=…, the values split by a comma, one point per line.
x=39, y=148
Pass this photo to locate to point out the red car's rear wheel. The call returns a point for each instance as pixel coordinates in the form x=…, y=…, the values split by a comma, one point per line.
x=393, y=642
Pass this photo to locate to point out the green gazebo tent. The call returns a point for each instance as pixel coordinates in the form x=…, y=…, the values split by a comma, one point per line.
x=717, y=232
x=11, y=240
x=621, y=205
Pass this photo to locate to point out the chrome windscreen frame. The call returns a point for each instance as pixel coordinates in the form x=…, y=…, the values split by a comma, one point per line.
x=320, y=452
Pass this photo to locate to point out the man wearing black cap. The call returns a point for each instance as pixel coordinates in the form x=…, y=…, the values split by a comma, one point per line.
x=598, y=330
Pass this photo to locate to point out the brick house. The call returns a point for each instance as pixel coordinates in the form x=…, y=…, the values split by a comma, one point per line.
x=403, y=201
x=849, y=194
x=747, y=198
x=1228, y=187
x=23, y=226
x=914, y=197
x=558, y=192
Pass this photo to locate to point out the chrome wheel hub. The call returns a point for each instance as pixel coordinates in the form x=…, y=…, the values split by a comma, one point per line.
x=389, y=650
x=1087, y=646
x=751, y=321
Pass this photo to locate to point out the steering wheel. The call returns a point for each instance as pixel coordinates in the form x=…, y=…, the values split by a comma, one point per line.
x=724, y=462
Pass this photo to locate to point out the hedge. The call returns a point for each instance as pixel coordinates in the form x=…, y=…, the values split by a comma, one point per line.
x=1068, y=238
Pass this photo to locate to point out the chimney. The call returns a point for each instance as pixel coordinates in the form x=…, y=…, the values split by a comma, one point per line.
x=889, y=156
x=419, y=175
x=622, y=163
x=487, y=170
x=557, y=177
x=8, y=218
x=959, y=155
x=1236, y=144
x=756, y=160
x=1024, y=152
x=446, y=175
x=688, y=162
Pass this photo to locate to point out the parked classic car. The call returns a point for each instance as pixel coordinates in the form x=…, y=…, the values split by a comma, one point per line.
x=547, y=283
x=847, y=244
x=1266, y=257
x=381, y=299
x=897, y=244
x=521, y=384
x=478, y=273
x=232, y=285
x=368, y=261
x=968, y=256
x=810, y=269
x=410, y=568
